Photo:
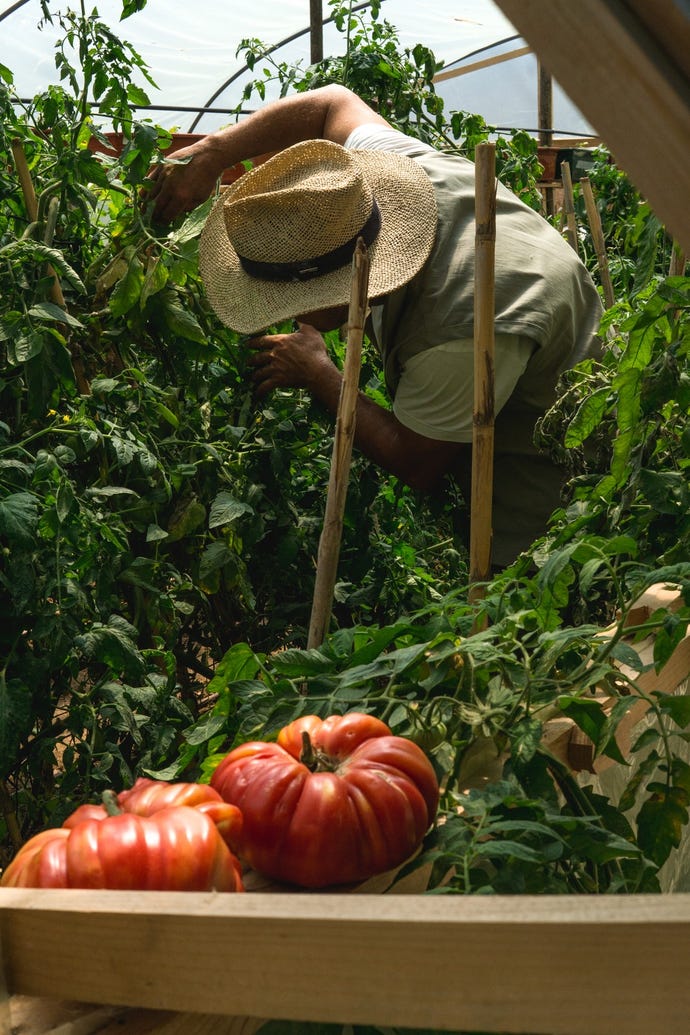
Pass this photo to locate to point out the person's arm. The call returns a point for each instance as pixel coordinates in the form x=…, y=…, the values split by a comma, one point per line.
x=329, y=113
x=300, y=360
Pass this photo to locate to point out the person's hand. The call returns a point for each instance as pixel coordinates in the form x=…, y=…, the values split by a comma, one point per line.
x=297, y=360
x=176, y=188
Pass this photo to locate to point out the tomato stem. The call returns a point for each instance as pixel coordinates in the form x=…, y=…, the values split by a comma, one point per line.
x=110, y=804
x=308, y=756
x=316, y=761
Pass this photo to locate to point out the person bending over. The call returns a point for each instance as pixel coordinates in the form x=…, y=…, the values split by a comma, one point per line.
x=278, y=245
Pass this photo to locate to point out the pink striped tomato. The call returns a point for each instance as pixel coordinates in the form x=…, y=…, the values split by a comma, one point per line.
x=334, y=801
x=168, y=847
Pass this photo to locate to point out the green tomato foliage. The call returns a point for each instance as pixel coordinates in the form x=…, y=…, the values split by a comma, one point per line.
x=159, y=529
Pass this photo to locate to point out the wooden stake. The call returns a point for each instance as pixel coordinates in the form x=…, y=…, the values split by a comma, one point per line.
x=678, y=261
x=31, y=203
x=545, y=122
x=56, y=294
x=329, y=544
x=483, y=418
x=569, y=207
x=598, y=239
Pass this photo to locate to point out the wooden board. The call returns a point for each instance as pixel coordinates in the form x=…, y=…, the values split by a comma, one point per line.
x=625, y=65
x=562, y=965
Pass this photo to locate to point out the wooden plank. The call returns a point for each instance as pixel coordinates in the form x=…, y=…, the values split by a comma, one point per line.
x=621, y=73
x=497, y=59
x=31, y=1016
x=500, y=964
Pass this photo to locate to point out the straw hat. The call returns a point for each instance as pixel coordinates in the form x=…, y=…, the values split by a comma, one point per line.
x=279, y=242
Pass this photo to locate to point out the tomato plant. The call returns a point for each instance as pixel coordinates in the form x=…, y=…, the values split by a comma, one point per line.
x=332, y=802
x=151, y=514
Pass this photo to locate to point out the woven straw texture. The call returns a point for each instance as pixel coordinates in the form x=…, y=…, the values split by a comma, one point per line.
x=301, y=204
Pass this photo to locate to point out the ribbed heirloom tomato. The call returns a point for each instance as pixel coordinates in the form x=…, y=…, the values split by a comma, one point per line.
x=165, y=847
x=334, y=801
x=147, y=797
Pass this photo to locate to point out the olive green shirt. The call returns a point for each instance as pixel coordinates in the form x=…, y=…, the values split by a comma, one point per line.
x=543, y=295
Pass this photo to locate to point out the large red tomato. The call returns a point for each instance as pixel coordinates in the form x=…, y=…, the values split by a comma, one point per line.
x=147, y=797
x=334, y=801
x=174, y=848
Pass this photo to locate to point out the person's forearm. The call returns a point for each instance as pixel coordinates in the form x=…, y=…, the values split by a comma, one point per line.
x=418, y=462
x=326, y=113
x=185, y=181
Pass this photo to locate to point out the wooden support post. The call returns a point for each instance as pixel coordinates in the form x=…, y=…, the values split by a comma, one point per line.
x=483, y=417
x=569, y=207
x=598, y=239
x=316, y=30
x=678, y=261
x=329, y=544
x=545, y=122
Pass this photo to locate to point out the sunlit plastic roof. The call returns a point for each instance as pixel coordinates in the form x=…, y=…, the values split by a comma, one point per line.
x=190, y=47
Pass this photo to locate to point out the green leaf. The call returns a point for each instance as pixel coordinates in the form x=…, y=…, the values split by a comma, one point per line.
x=215, y=558
x=154, y=533
x=525, y=738
x=206, y=728
x=627, y=655
x=155, y=279
x=587, y=713
x=137, y=96
x=32, y=251
x=25, y=347
x=193, y=224
x=225, y=510
x=294, y=663
x=127, y=291
x=587, y=418
x=240, y=662
x=181, y=322
x=64, y=500
x=645, y=770
x=19, y=517
x=186, y=519
x=507, y=850
x=113, y=645
x=660, y=823
x=677, y=706
x=50, y=311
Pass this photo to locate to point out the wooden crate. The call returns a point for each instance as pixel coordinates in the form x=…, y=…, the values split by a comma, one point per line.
x=216, y=964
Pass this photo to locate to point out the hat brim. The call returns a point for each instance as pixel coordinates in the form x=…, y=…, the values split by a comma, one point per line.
x=407, y=202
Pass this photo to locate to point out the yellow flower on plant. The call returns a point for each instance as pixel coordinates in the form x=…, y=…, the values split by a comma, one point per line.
x=66, y=418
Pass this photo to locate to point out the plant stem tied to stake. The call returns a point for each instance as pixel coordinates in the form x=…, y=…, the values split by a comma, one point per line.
x=483, y=418
x=329, y=544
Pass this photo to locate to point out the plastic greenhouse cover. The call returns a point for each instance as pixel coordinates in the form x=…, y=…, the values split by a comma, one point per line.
x=191, y=52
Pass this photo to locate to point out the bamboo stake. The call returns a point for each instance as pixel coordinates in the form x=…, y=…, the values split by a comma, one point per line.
x=545, y=122
x=678, y=261
x=598, y=239
x=483, y=417
x=329, y=543
x=569, y=207
x=22, y=167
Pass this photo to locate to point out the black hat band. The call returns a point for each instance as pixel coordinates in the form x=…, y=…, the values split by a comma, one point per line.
x=307, y=269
